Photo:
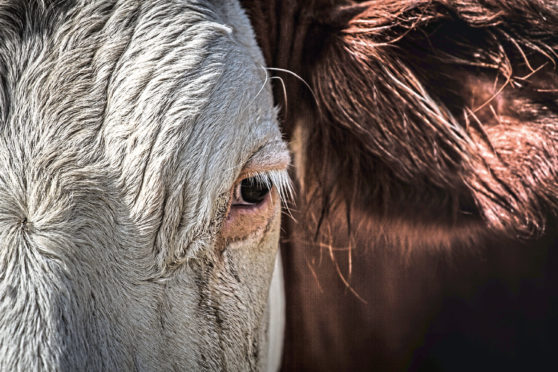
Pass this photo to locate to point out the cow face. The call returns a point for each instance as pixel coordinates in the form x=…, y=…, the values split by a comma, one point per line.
x=141, y=176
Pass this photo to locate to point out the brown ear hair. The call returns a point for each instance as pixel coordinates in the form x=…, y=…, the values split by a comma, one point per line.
x=441, y=111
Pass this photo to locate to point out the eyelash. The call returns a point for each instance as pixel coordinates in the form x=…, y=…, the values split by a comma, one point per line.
x=251, y=191
x=265, y=181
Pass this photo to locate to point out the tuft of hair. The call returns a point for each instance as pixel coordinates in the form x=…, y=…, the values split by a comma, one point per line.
x=441, y=112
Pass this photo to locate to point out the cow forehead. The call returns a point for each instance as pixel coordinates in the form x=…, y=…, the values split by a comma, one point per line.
x=189, y=102
x=168, y=99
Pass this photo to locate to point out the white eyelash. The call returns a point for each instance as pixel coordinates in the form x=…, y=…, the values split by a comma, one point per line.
x=278, y=178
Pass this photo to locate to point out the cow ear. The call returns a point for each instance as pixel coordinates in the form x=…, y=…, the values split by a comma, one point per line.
x=456, y=98
x=375, y=123
x=412, y=103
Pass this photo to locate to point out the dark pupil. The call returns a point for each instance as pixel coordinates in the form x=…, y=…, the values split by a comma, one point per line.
x=253, y=191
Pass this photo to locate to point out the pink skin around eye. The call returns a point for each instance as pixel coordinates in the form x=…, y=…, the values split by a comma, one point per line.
x=244, y=220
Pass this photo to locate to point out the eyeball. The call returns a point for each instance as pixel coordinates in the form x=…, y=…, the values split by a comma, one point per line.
x=254, y=203
x=251, y=191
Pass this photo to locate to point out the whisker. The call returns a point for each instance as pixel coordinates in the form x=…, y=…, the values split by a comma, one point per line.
x=284, y=91
x=267, y=78
x=300, y=79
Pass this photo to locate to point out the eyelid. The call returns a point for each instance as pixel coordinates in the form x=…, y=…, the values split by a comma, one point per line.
x=277, y=178
x=269, y=162
x=273, y=156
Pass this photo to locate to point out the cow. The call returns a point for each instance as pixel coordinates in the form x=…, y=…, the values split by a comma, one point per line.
x=142, y=171
x=425, y=145
x=141, y=176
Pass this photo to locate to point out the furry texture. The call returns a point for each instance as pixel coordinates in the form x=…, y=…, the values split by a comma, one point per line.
x=123, y=130
x=476, y=138
x=426, y=147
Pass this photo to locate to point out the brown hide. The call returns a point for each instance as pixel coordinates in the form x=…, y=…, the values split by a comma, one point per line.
x=426, y=150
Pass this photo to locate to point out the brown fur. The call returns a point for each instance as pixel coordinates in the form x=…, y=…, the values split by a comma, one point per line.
x=429, y=127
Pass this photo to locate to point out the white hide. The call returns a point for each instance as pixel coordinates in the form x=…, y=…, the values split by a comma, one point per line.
x=124, y=126
x=277, y=314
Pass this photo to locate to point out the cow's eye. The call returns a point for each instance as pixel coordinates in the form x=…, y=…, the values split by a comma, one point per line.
x=251, y=191
x=255, y=201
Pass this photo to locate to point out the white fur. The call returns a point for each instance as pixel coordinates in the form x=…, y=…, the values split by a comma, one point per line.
x=124, y=126
x=277, y=314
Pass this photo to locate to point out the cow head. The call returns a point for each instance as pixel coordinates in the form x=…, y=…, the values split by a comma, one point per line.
x=141, y=171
